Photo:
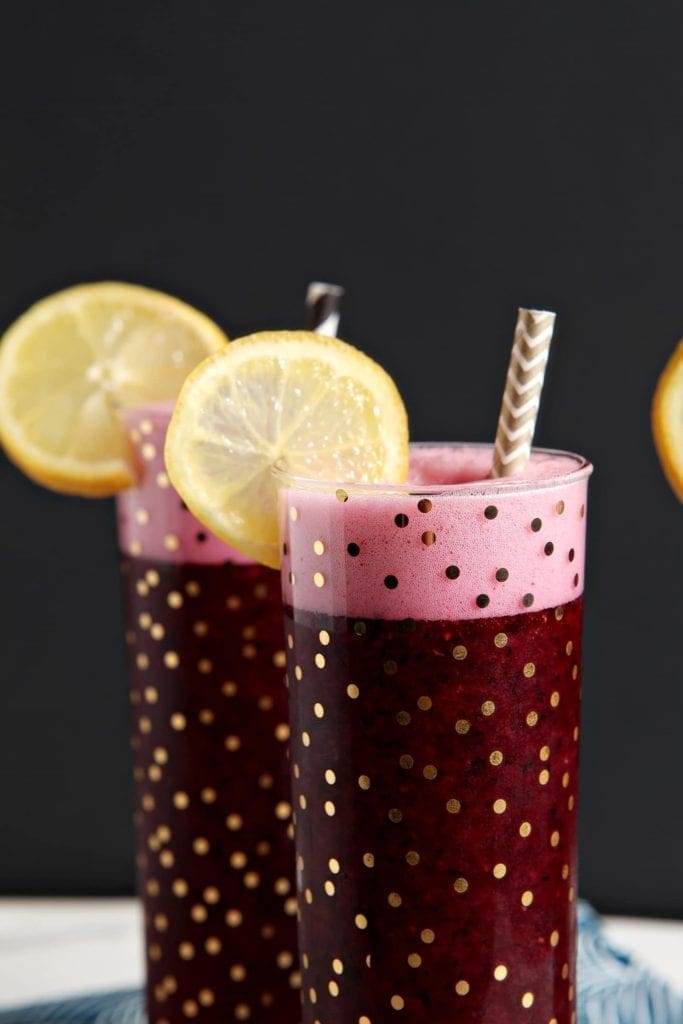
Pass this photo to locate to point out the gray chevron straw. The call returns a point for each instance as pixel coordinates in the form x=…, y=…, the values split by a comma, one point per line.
x=522, y=395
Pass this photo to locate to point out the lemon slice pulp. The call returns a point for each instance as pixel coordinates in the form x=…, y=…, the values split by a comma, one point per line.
x=667, y=420
x=74, y=360
x=320, y=405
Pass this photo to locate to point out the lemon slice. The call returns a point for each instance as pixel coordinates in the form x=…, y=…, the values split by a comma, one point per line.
x=667, y=420
x=73, y=361
x=319, y=404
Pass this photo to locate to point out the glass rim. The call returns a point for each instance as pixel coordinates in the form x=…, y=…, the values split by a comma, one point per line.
x=493, y=485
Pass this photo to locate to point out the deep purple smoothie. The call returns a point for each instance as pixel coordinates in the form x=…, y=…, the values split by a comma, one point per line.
x=434, y=652
x=435, y=774
x=215, y=850
x=210, y=737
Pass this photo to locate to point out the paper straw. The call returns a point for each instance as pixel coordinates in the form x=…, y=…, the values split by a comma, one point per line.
x=522, y=395
x=322, y=307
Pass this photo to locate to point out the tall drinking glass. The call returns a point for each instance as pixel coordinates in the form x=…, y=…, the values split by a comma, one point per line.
x=434, y=652
x=210, y=732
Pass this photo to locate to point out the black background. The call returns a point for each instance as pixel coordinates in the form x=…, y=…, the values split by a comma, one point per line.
x=446, y=163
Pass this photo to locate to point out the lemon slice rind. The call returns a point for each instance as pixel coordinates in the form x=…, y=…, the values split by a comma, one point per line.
x=317, y=404
x=667, y=420
x=74, y=360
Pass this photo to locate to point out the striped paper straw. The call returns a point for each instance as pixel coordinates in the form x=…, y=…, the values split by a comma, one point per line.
x=322, y=307
x=522, y=395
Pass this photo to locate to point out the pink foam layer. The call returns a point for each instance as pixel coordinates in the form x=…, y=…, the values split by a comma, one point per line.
x=152, y=520
x=478, y=550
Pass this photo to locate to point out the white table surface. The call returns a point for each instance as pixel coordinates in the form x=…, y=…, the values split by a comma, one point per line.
x=55, y=947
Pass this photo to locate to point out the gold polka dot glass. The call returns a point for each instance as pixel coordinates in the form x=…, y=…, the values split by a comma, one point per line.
x=434, y=652
x=209, y=715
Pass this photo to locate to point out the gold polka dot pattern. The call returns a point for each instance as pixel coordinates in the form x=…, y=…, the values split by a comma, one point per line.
x=433, y=813
x=216, y=858
x=213, y=817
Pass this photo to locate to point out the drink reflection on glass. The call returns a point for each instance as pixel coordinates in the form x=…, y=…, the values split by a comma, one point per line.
x=434, y=657
x=210, y=734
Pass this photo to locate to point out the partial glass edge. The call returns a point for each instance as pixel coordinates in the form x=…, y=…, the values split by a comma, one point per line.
x=493, y=485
